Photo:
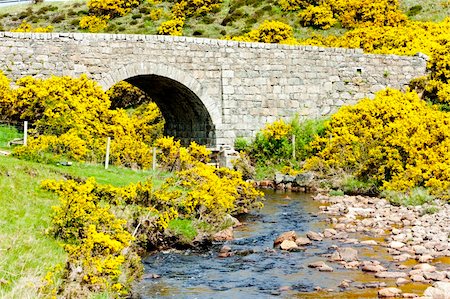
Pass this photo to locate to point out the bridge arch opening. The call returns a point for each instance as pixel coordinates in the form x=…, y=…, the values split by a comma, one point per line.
x=187, y=118
x=189, y=113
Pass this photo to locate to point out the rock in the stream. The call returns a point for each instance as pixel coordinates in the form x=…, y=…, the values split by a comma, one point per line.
x=396, y=245
x=321, y=266
x=345, y=254
x=389, y=292
x=288, y=245
x=290, y=236
x=439, y=290
x=224, y=235
x=303, y=241
x=314, y=236
x=401, y=281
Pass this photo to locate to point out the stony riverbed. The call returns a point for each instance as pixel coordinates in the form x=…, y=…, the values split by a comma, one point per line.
x=303, y=246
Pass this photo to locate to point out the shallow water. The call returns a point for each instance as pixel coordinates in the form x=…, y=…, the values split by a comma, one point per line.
x=261, y=274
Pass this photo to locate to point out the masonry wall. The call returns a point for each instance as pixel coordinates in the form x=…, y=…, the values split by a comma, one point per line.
x=242, y=85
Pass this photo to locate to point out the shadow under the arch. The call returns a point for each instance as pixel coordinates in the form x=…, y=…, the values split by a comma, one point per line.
x=187, y=118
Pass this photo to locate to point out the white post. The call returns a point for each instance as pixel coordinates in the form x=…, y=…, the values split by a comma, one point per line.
x=25, y=133
x=293, y=147
x=154, y=159
x=108, y=143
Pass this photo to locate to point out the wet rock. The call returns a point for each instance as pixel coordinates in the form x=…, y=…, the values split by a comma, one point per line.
x=389, y=293
x=288, y=245
x=402, y=257
x=374, y=285
x=329, y=232
x=419, y=249
x=346, y=254
x=345, y=284
x=235, y=222
x=436, y=276
x=396, y=245
x=314, y=236
x=425, y=258
x=425, y=268
x=279, y=177
x=291, y=236
x=321, y=266
x=401, y=281
x=369, y=242
x=373, y=268
x=417, y=278
x=224, y=235
x=439, y=290
x=303, y=241
x=304, y=179
x=387, y=274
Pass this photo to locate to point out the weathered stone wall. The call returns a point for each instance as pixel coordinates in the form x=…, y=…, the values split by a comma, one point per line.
x=239, y=86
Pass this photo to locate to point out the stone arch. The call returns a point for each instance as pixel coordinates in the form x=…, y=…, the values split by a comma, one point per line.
x=190, y=113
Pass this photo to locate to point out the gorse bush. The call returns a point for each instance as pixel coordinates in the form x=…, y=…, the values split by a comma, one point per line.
x=396, y=140
x=71, y=117
x=269, y=32
x=112, y=8
x=94, y=23
x=317, y=16
x=26, y=27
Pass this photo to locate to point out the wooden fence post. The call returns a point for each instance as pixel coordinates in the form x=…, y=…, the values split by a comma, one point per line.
x=25, y=133
x=108, y=144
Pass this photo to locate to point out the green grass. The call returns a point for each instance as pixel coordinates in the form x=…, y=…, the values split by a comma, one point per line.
x=184, y=229
x=432, y=10
x=8, y=133
x=418, y=196
x=26, y=252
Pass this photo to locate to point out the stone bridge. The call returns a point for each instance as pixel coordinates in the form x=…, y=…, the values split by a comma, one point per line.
x=213, y=91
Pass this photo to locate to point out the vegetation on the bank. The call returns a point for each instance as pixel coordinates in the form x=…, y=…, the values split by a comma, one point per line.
x=70, y=118
x=27, y=251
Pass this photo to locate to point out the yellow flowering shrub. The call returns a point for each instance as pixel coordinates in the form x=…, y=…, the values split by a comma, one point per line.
x=6, y=97
x=357, y=13
x=317, y=16
x=71, y=118
x=27, y=27
x=396, y=140
x=187, y=8
x=112, y=8
x=94, y=23
x=173, y=156
x=155, y=14
x=269, y=32
x=277, y=130
x=172, y=27
x=96, y=241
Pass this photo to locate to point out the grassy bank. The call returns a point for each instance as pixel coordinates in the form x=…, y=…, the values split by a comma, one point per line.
x=26, y=252
x=234, y=17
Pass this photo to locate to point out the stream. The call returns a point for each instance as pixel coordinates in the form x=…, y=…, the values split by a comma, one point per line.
x=256, y=270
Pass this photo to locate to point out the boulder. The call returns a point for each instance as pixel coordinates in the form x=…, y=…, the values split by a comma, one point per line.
x=396, y=245
x=224, y=235
x=303, y=241
x=321, y=266
x=346, y=254
x=291, y=236
x=288, y=245
x=314, y=236
x=389, y=292
x=439, y=290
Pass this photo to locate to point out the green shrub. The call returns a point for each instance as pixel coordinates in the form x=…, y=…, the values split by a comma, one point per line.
x=417, y=196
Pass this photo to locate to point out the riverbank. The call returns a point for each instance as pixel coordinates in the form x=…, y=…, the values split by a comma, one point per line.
x=415, y=238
